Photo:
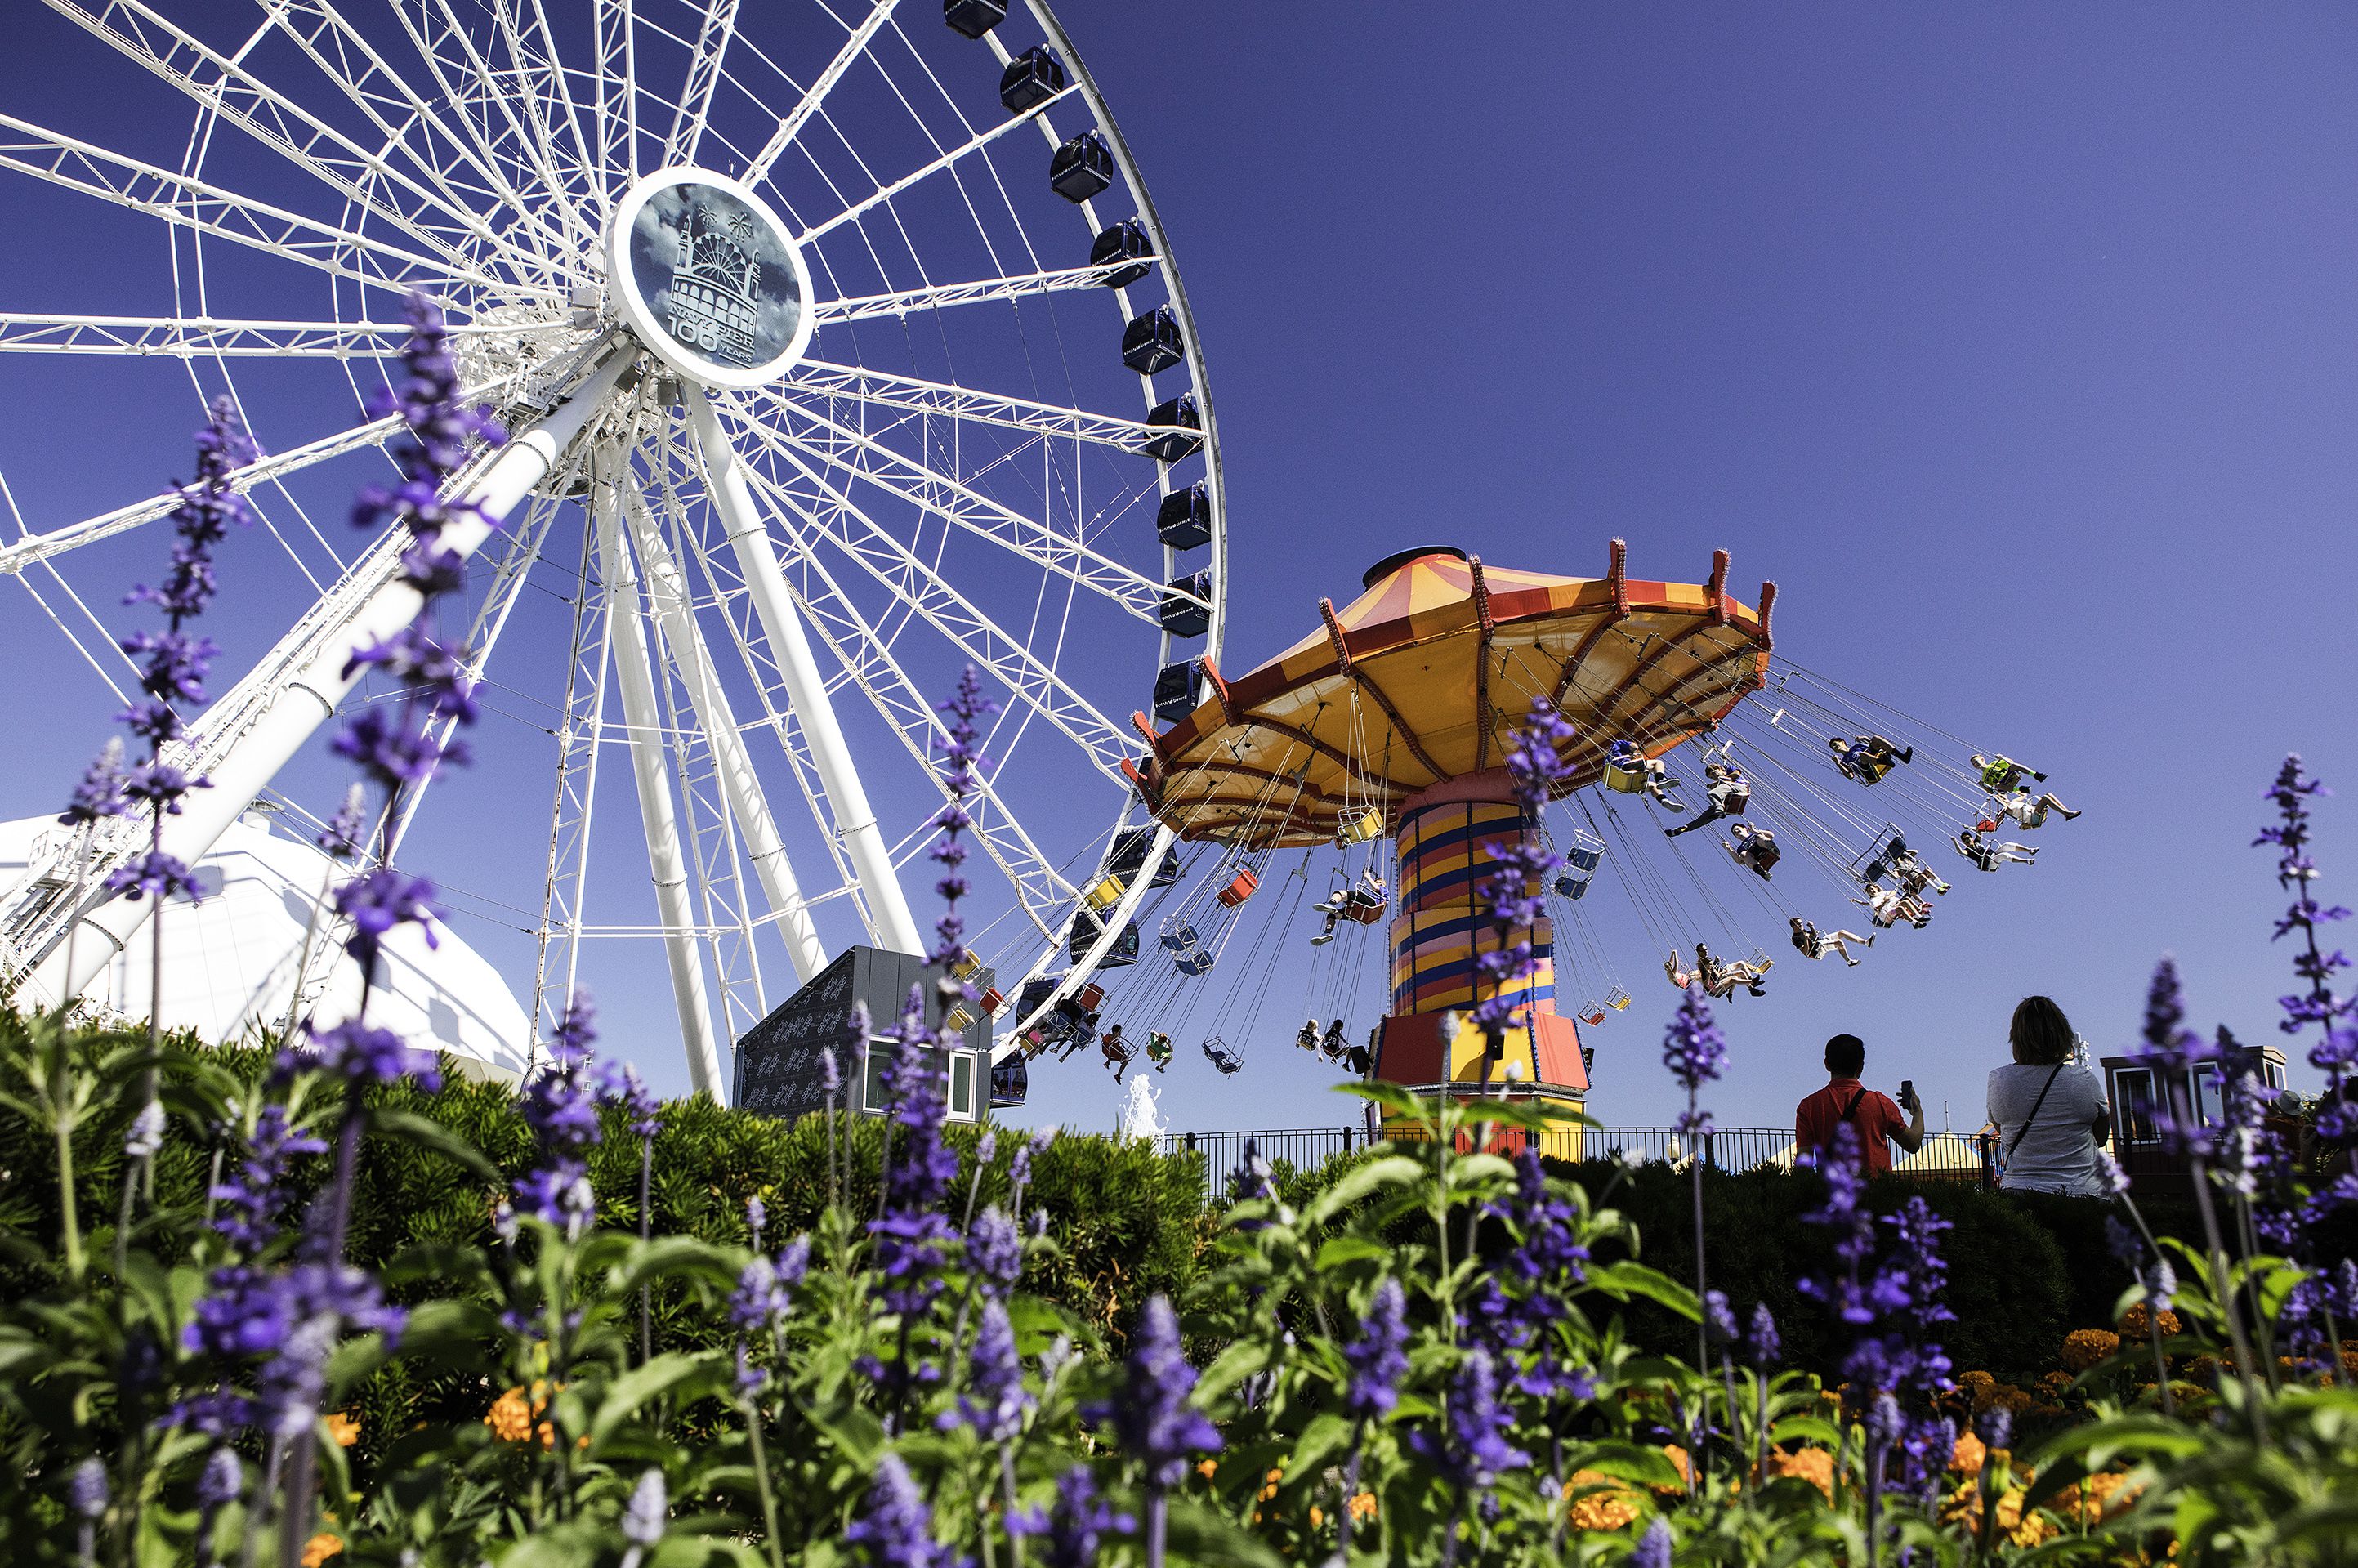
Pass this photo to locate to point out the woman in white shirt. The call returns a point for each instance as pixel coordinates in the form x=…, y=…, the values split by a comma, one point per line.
x=2049, y=1115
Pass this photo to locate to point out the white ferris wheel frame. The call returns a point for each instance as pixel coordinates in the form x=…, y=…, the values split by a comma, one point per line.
x=488, y=165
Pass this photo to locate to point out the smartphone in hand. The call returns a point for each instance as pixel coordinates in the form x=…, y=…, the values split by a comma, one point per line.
x=1908, y=1094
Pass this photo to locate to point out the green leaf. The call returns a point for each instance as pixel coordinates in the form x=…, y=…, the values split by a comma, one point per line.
x=410, y=1128
x=1338, y=1251
x=856, y=1432
x=1628, y=1462
x=627, y=1393
x=1623, y=1280
x=1325, y=1434
x=1202, y=1535
x=1392, y=1170
x=1232, y=1366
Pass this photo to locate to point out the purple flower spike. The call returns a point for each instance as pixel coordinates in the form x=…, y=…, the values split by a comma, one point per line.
x=1695, y=1051
x=897, y=1530
x=1475, y=1451
x=995, y=1403
x=99, y=793
x=1151, y=1415
x=1718, y=1318
x=1653, y=1547
x=1379, y=1358
x=1764, y=1346
x=560, y=1106
x=1073, y=1529
x=362, y=1053
x=994, y=1251
x=86, y=1489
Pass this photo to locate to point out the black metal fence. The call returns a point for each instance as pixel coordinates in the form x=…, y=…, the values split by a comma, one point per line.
x=1949, y=1157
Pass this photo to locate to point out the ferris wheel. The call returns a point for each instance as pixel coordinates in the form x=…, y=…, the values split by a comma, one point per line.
x=841, y=346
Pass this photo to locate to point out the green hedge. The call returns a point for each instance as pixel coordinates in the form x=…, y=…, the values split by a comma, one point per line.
x=2024, y=1269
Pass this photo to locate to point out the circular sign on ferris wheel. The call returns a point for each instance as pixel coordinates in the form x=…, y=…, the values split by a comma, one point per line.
x=705, y=274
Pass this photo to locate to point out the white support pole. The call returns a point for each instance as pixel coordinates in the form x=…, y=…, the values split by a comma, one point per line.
x=667, y=591
x=890, y=922
x=309, y=698
x=635, y=669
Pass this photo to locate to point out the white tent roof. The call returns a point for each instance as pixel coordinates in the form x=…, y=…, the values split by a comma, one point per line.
x=230, y=960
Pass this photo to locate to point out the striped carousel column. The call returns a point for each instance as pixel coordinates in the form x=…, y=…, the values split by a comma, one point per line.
x=1444, y=841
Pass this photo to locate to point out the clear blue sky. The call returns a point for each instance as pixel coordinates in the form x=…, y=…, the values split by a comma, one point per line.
x=2013, y=342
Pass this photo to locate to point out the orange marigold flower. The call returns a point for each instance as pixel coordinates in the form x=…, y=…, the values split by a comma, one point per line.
x=1615, y=1507
x=1317, y=1516
x=1971, y=1452
x=2054, y=1385
x=1207, y=1468
x=343, y=1429
x=1965, y=1507
x=2138, y=1322
x=1977, y=1388
x=1677, y=1458
x=321, y=1547
x=1814, y=1465
x=1363, y=1507
x=2084, y=1347
x=512, y=1415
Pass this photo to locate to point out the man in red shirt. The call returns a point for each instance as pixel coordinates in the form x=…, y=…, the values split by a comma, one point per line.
x=1871, y=1115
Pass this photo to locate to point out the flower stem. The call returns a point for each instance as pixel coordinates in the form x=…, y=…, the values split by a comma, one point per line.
x=1351, y=1489
x=761, y=1481
x=2223, y=1294
x=646, y=1300
x=1158, y=1526
x=1007, y=1491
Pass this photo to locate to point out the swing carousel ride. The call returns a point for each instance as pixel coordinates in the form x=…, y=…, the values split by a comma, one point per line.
x=1728, y=801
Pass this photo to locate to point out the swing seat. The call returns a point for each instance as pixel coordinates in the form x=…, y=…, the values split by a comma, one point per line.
x=1366, y=911
x=1625, y=780
x=1219, y=1053
x=1573, y=886
x=1590, y=1013
x=1358, y=827
x=1105, y=894
x=1192, y=964
x=1091, y=997
x=1617, y=1000
x=1180, y=938
x=990, y=1001
x=1583, y=853
x=964, y=967
x=1247, y=883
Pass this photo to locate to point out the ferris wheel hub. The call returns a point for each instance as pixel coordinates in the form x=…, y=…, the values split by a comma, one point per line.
x=707, y=278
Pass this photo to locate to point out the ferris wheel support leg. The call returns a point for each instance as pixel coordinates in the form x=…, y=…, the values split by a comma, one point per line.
x=667, y=591
x=890, y=922
x=309, y=698
x=635, y=668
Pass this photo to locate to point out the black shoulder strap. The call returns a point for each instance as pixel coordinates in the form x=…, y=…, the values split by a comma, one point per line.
x=1851, y=1108
x=2015, y=1141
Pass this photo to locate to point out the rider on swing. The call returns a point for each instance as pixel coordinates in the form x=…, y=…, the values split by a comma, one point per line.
x=1718, y=979
x=1867, y=758
x=1755, y=848
x=1988, y=853
x=2028, y=810
x=1730, y=792
x=1816, y=943
x=1158, y=1049
x=2002, y=775
x=1654, y=774
x=1352, y=903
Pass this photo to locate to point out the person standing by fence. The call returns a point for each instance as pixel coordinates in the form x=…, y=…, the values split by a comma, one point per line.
x=1872, y=1115
x=2049, y=1113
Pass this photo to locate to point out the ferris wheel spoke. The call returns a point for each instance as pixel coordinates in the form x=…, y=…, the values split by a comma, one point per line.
x=949, y=159
x=534, y=78
x=548, y=67
x=478, y=81
x=790, y=125
x=269, y=469
x=192, y=203
x=206, y=336
x=831, y=516
x=983, y=291
x=365, y=77
x=710, y=53
x=869, y=663
x=913, y=394
x=353, y=172
x=858, y=457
